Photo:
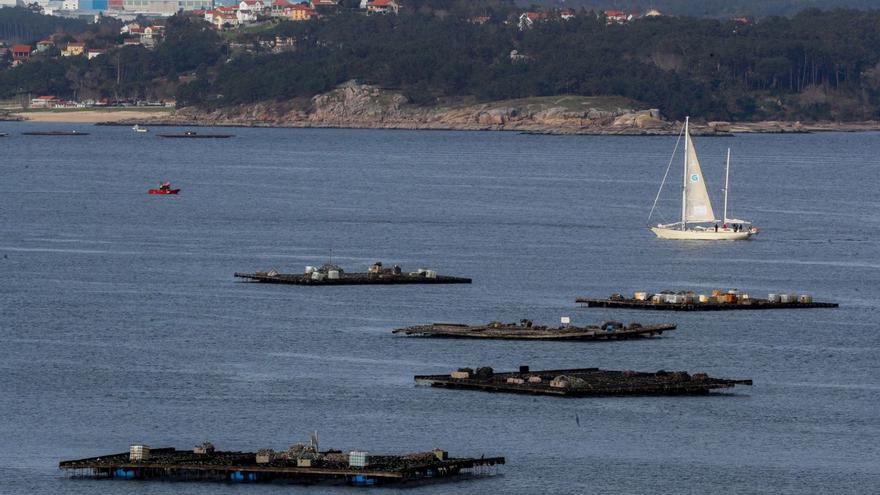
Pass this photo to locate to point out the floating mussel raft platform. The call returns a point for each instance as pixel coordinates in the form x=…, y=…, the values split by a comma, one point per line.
x=330, y=274
x=299, y=464
x=525, y=330
x=584, y=382
x=55, y=133
x=718, y=301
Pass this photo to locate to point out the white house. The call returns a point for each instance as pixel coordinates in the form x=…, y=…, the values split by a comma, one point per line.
x=248, y=10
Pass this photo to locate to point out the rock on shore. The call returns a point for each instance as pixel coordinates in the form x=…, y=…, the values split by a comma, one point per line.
x=354, y=105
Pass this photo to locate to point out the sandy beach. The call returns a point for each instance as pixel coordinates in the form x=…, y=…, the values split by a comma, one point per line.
x=91, y=116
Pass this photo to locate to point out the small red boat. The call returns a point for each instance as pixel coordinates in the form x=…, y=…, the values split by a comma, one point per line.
x=164, y=188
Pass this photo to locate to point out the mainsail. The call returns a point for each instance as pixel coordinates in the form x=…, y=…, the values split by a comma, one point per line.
x=698, y=207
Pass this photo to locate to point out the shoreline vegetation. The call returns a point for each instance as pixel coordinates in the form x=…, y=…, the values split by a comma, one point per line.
x=478, y=65
x=359, y=106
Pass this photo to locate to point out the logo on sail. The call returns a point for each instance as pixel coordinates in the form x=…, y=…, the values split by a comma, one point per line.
x=695, y=178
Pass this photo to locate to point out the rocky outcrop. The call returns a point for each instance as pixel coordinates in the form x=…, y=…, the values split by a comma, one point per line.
x=5, y=115
x=357, y=105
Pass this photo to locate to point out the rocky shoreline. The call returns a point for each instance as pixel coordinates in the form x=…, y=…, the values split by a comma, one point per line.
x=361, y=106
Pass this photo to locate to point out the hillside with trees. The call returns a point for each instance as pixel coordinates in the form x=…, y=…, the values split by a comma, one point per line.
x=711, y=8
x=815, y=65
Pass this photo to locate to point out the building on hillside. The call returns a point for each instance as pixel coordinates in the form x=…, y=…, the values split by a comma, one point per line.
x=566, y=14
x=299, y=12
x=11, y=3
x=277, y=7
x=95, y=52
x=190, y=5
x=223, y=20
x=160, y=7
x=152, y=35
x=652, y=13
x=248, y=10
x=44, y=102
x=479, y=19
x=382, y=7
x=528, y=19
x=73, y=49
x=70, y=5
x=45, y=45
x=741, y=19
x=284, y=44
x=616, y=17
x=323, y=3
x=132, y=28
x=92, y=5
x=21, y=53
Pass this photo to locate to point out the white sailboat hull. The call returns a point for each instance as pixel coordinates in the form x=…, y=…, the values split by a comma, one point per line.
x=701, y=235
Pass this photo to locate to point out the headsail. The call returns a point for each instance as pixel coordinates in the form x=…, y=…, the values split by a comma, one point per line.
x=699, y=208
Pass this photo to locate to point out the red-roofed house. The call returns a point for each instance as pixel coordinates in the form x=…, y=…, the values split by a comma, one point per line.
x=527, y=19
x=278, y=7
x=382, y=7
x=20, y=53
x=299, y=12
x=222, y=16
x=616, y=17
x=44, y=102
x=248, y=10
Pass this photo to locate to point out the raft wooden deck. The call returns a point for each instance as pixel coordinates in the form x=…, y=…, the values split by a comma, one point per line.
x=55, y=133
x=185, y=465
x=585, y=382
x=752, y=304
x=352, y=279
x=519, y=332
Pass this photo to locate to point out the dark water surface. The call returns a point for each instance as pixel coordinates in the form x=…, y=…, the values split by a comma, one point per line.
x=121, y=322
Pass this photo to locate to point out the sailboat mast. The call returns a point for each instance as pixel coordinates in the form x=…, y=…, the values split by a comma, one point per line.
x=687, y=138
x=726, y=183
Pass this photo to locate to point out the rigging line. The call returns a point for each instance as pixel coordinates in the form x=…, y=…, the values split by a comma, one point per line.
x=657, y=198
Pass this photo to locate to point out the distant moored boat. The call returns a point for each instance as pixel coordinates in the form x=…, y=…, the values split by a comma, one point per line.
x=195, y=135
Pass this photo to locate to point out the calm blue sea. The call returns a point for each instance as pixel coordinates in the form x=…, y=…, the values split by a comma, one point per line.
x=120, y=320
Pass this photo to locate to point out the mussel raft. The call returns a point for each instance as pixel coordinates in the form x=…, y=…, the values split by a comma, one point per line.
x=719, y=300
x=525, y=330
x=295, y=465
x=580, y=382
x=330, y=274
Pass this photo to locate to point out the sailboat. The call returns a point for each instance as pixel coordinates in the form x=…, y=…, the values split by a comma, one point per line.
x=696, y=208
